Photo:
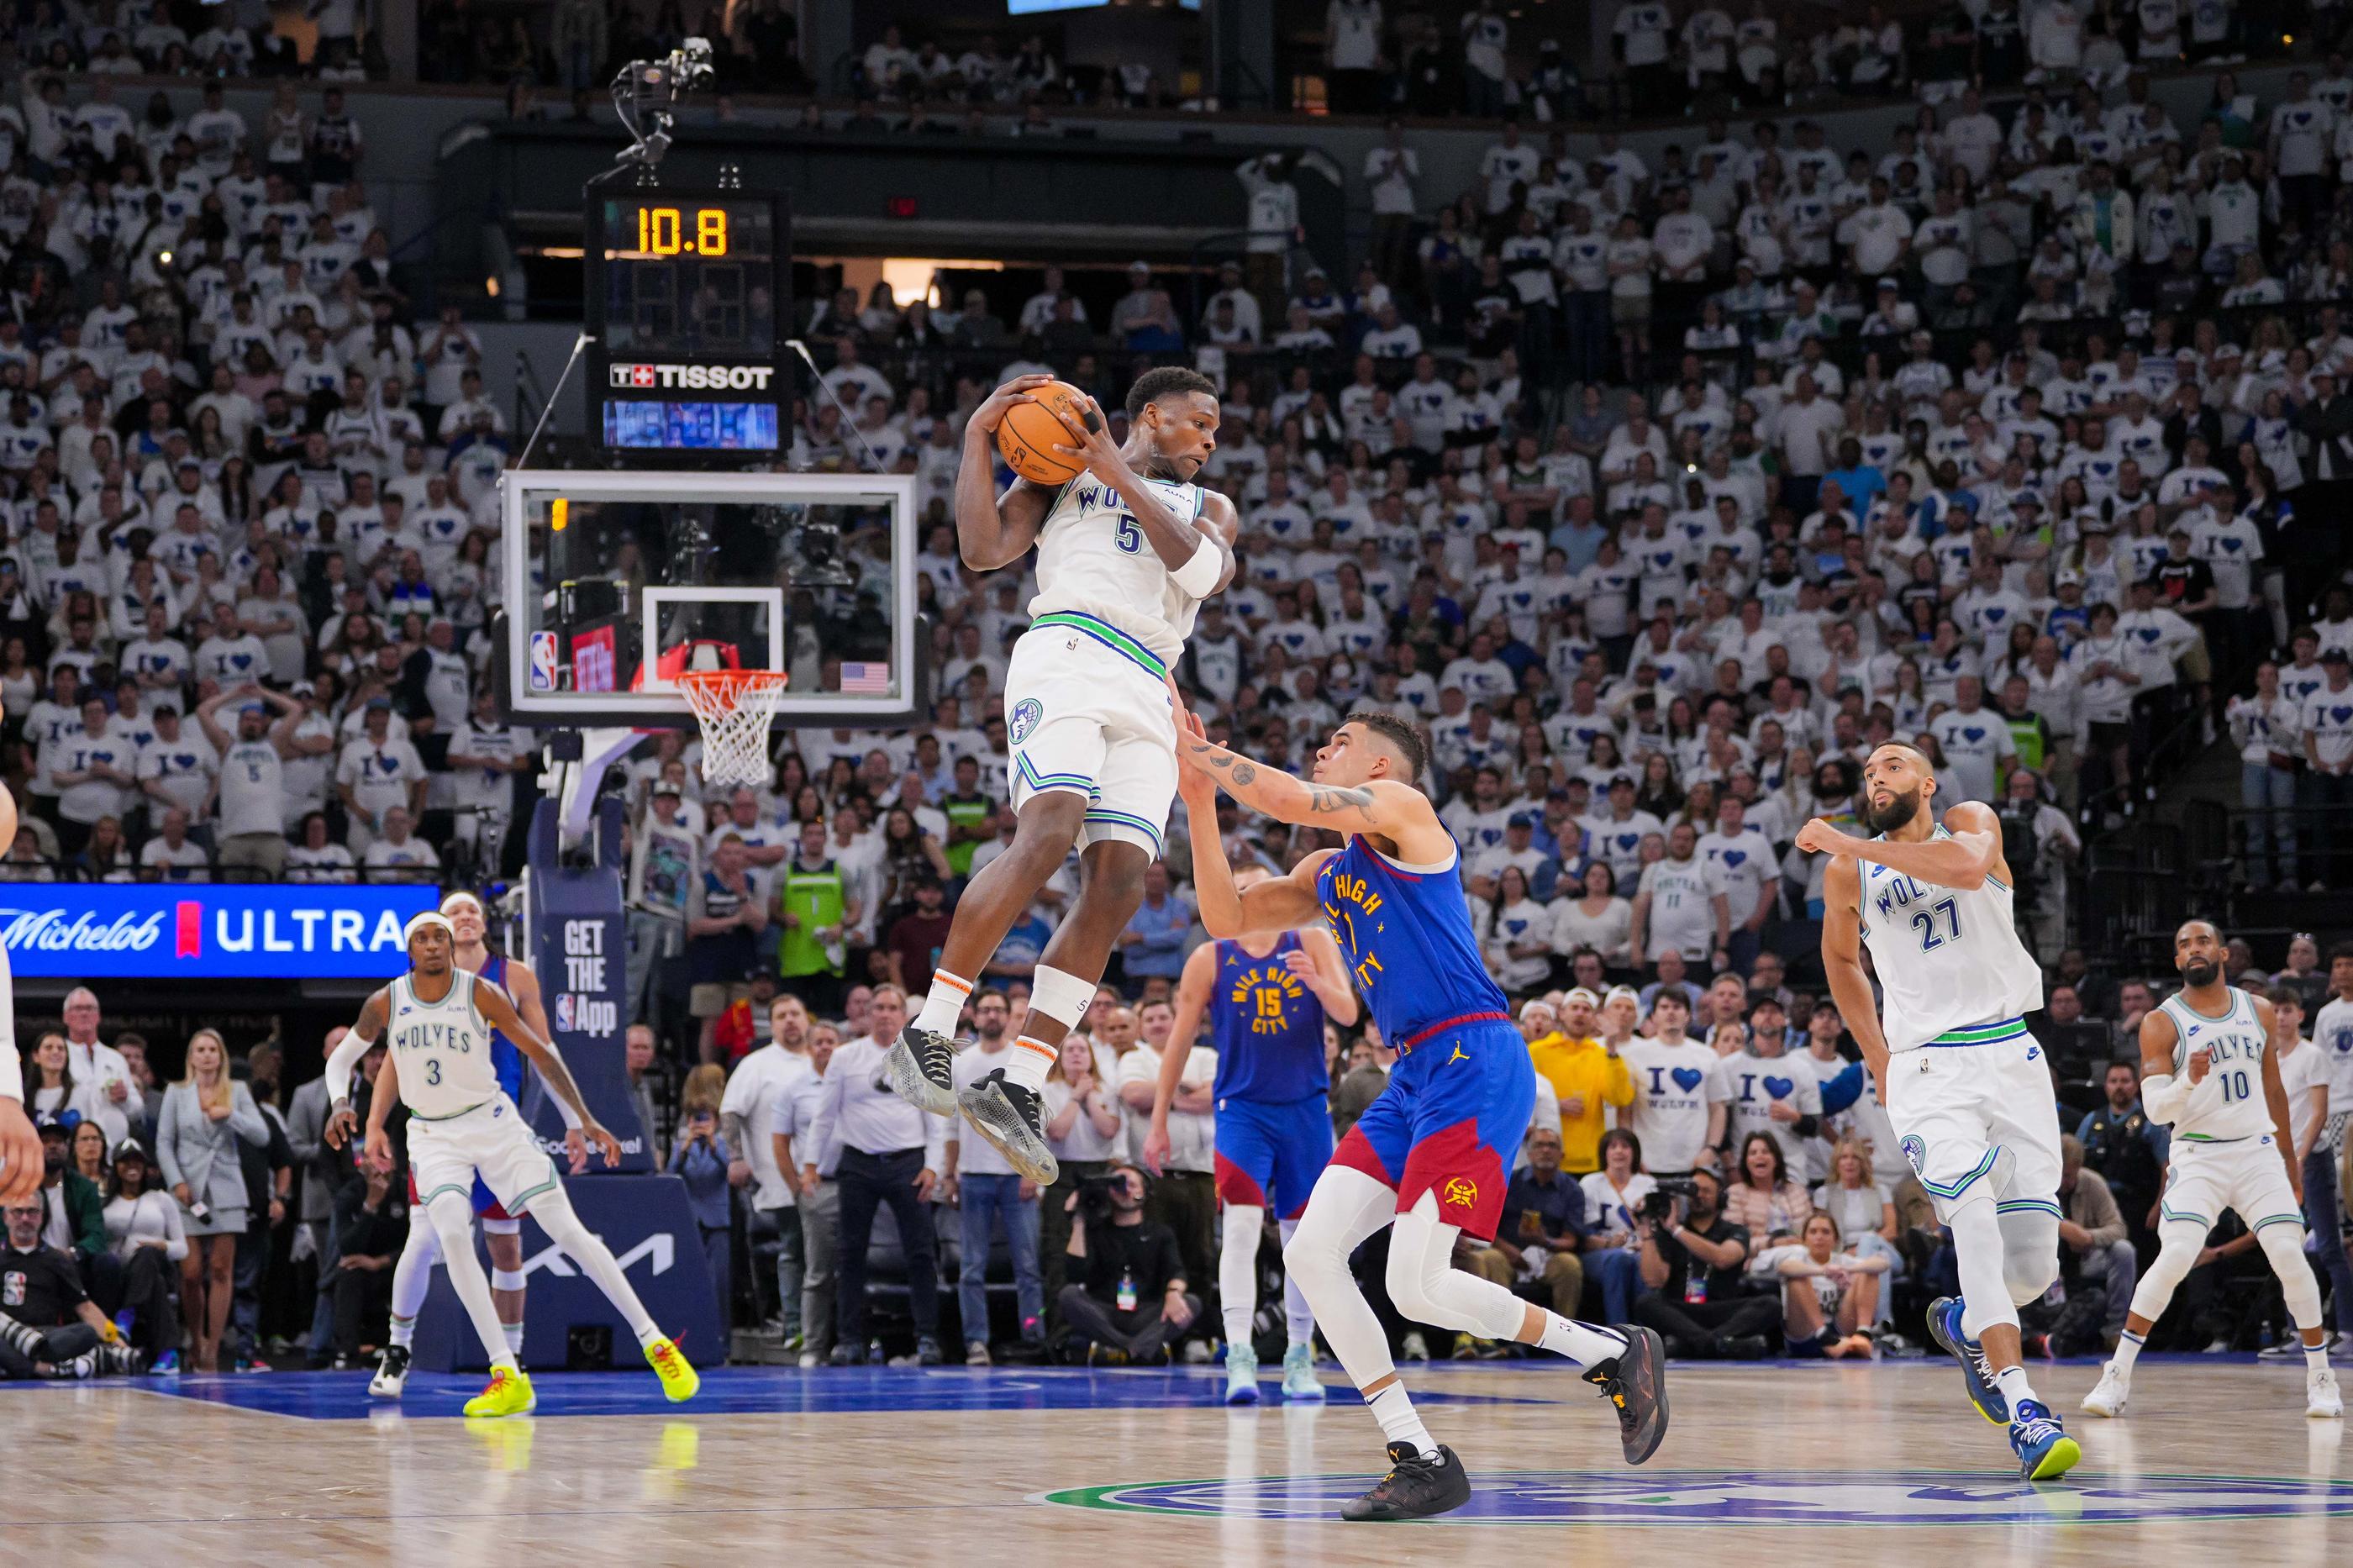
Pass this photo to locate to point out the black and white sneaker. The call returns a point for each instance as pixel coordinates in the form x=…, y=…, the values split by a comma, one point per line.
x=922, y=1066
x=391, y=1373
x=1415, y=1488
x=1009, y=1115
x=1635, y=1382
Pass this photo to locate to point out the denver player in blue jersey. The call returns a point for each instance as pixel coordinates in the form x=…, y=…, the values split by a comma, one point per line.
x=1267, y=1000
x=1431, y=1155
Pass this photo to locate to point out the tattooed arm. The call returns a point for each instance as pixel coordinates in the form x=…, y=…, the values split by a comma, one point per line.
x=1381, y=808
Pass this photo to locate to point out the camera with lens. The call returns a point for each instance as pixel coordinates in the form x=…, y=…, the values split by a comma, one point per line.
x=1659, y=1204
x=1097, y=1193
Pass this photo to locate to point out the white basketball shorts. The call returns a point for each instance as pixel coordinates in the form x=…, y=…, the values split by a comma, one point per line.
x=1974, y=1110
x=493, y=1140
x=1087, y=711
x=2242, y=1174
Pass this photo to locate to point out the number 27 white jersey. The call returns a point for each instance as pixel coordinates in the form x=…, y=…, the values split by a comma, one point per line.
x=441, y=1049
x=1947, y=957
x=1093, y=558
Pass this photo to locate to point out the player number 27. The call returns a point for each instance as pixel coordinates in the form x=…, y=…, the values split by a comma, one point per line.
x=1925, y=922
x=1128, y=536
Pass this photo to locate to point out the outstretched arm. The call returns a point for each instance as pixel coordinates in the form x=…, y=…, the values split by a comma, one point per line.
x=1965, y=859
x=500, y=1009
x=1192, y=1000
x=1397, y=812
x=1277, y=904
x=1842, y=961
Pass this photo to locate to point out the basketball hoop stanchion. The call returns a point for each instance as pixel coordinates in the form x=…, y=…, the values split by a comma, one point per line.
x=737, y=707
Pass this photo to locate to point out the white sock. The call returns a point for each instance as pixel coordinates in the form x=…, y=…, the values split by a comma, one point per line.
x=2315, y=1357
x=515, y=1338
x=1580, y=1343
x=1394, y=1410
x=2011, y=1380
x=403, y=1332
x=1028, y=1062
x=943, y=1004
x=2128, y=1350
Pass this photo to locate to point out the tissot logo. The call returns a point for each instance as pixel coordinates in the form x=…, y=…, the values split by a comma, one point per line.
x=691, y=377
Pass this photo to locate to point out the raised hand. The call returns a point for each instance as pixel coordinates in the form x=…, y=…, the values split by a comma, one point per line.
x=993, y=408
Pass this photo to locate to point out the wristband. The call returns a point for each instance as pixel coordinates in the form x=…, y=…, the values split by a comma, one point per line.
x=1199, y=576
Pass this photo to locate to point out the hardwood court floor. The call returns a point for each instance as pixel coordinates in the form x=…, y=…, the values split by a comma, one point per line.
x=1878, y=1465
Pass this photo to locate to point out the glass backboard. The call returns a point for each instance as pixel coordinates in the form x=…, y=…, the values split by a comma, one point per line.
x=615, y=582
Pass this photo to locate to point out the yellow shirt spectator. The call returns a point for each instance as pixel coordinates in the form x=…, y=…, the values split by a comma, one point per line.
x=1585, y=1077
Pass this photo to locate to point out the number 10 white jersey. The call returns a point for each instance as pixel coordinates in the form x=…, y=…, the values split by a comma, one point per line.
x=2228, y=1102
x=1947, y=957
x=1093, y=558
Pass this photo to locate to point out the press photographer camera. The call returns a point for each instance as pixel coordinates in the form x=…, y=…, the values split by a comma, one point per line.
x=1666, y=1203
x=1129, y=1300
x=1693, y=1260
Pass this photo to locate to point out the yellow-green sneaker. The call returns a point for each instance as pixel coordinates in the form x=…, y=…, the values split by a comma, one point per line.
x=678, y=1380
x=509, y=1394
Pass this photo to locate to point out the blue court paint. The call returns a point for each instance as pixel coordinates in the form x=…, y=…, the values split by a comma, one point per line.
x=764, y=1390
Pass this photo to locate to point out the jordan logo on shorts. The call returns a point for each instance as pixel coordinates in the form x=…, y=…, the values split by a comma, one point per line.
x=1459, y=1056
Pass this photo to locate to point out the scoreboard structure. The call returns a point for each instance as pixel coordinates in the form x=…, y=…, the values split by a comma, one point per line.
x=688, y=307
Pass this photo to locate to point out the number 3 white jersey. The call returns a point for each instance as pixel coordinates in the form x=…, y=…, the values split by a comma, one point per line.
x=442, y=1049
x=1948, y=958
x=2227, y=1103
x=1093, y=558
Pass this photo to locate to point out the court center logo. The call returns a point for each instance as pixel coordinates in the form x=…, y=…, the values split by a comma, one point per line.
x=1023, y=718
x=1880, y=1498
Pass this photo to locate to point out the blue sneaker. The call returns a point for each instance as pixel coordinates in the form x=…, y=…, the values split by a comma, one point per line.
x=2044, y=1450
x=1241, y=1375
x=1976, y=1373
x=1298, y=1380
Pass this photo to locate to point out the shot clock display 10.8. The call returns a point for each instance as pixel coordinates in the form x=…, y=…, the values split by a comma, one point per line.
x=687, y=275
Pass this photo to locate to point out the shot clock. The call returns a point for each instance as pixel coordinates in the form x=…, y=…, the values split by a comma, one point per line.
x=688, y=295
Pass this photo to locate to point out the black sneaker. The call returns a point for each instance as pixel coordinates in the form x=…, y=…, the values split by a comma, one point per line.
x=1415, y=1488
x=1009, y=1115
x=922, y=1066
x=120, y=1360
x=1635, y=1382
x=391, y=1373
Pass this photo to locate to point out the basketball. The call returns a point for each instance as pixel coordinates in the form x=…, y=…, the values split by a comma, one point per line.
x=1028, y=435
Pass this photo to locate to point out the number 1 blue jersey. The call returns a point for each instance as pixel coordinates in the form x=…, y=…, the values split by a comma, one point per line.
x=1407, y=938
x=1268, y=1027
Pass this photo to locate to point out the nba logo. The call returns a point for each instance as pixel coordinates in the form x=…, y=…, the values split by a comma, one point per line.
x=564, y=1011
x=542, y=676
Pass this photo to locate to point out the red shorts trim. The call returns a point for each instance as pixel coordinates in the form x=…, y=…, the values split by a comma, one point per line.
x=1355, y=1152
x=1236, y=1187
x=1466, y=1174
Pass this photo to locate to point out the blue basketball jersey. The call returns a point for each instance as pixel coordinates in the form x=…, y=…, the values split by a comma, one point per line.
x=1267, y=1026
x=506, y=1057
x=1407, y=938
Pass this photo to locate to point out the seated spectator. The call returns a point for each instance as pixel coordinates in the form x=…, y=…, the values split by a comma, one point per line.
x=2096, y=1263
x=144, y=1227
x=1762, y=1199
x=371, y=1228
x=48, y=1326
x=1613, y=1197
x=1131, y=1299
x=1828, y=1295
x=1864, y=1212
x=1693, y=1264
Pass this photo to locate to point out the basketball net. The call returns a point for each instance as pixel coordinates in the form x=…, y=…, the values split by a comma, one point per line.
x=736, y=708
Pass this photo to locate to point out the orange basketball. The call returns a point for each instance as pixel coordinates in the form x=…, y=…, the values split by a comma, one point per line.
x=1028, y=435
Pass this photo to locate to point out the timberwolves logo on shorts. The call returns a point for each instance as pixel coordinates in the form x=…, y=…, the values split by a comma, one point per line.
x=1023, y=718
x=1915, y=1151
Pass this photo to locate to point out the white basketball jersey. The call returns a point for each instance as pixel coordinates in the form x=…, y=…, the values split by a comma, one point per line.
x=2228, y=1102
x=1948, y=958
x=1093, y=558
x=442, y=1049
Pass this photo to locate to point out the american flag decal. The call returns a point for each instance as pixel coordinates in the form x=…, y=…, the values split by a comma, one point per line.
x=866, y=681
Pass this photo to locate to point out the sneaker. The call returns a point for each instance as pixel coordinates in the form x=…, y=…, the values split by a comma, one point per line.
x=81, y=1366
x=2291, y=1347
x=1198, y=1352
x=1416, y=1348
x=976, y=1354
x=2108, y=1399
x=922, y=1066
x=2044, y=1450
x=1635, y=1382
x=927, y=1351
x=120, y=1360
x=678, y=1380
x=843, y=1355
x=1298, y=1380
x=167, y=1365
x=1976, y=1373
x=392, y=1373
x=794, y=1343
x=1465, y=1348
x=808, y=1359
x=1241, y=1375
x=1415, y=1488
x=509, y=1394
x=1009, y=1115
x=874, y=1353
x=2321, y=1400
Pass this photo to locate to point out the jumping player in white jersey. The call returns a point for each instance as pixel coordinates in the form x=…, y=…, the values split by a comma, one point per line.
x=438, y=1020
x=412, y=1276
x=2207, y=1069
x=1964, y=1084
x=1127, y=552
x=21, y=1167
